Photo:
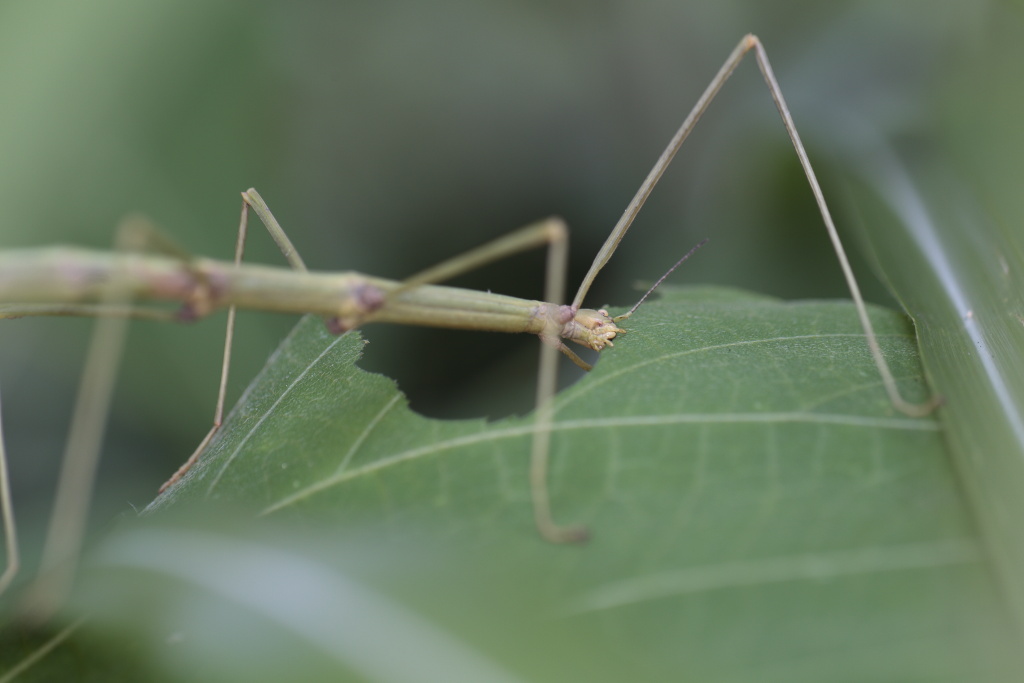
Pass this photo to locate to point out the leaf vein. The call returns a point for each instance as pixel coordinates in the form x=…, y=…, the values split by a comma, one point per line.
x=907, y=424
x=610, y=376
x=808, y=567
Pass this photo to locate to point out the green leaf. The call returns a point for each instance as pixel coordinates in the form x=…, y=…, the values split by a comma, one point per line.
x=758, y=512
x=959, y=276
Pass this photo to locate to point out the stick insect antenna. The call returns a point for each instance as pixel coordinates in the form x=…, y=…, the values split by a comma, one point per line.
x=661, y=279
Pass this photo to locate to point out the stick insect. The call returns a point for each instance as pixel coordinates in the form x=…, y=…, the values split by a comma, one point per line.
x=78, y=281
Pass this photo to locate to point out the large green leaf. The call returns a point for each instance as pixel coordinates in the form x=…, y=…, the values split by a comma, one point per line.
x=759, y=512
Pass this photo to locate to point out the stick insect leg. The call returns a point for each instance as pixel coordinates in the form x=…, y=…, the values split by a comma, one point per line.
x=748, y=43
x=551, y=232
x=81, y=455
x=229, y=335
x=547, y=375
x=250, y=198
x=555, y=234
x=10, y=528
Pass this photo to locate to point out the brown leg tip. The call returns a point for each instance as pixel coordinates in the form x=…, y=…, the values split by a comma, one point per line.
x=577, y=534
x=562, y=535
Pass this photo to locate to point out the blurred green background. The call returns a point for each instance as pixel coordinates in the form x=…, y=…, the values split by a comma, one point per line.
x=387, y=136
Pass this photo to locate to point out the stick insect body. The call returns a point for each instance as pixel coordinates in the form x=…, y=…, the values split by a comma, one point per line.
x=87, y=282
x=62, y=280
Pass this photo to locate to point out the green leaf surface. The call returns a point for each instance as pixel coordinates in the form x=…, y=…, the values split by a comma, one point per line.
x=758, y=510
